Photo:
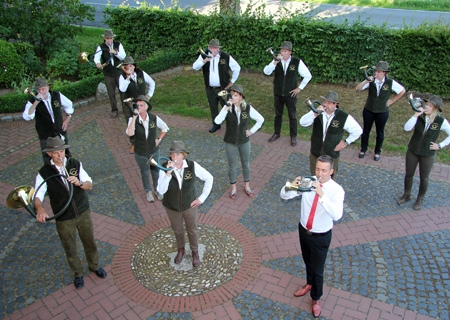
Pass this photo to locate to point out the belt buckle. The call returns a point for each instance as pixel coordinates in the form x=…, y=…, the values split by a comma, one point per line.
x=309, y=233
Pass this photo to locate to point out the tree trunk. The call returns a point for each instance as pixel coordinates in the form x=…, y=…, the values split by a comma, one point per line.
x=230, y=7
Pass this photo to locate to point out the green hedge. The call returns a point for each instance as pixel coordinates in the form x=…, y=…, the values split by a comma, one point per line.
x=88, y=86
x=419, y=57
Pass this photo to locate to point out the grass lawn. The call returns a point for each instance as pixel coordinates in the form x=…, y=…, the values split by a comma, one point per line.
x=430, y=5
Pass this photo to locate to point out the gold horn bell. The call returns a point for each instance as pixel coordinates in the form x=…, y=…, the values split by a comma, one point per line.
x=20, y=197
x=83, y=57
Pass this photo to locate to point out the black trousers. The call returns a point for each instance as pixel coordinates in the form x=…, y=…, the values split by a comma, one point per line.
x=213, y=101
x=290, y=102
x=380, y=120
x=314, y=251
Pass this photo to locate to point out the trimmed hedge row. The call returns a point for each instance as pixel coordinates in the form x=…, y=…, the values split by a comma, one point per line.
x=87, y=87
x=333, y=52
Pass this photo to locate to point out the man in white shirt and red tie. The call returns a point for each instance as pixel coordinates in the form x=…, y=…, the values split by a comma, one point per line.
x=319, y=208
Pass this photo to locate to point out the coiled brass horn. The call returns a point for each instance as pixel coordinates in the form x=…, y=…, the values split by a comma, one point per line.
x=158, y=164
x=415, y=103
x=368, y=72
x=273, y=54
x=24, y=196
x=33, y=93
x=312, y=104
x=224, y=96
x=84, y=57
x=205, y=53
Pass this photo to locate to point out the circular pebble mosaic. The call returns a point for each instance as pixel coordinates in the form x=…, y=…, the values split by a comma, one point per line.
x=152, y=264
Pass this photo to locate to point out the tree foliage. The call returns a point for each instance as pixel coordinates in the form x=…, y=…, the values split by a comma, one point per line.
x=41, y=22
x=230, y=7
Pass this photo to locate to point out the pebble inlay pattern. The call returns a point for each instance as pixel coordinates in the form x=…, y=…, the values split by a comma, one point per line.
x=222, y=258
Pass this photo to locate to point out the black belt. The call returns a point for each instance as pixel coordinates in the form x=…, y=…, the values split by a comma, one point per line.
x=309, y=233
x=214, y=87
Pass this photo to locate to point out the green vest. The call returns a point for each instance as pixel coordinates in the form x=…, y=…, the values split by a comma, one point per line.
x=59, y=194
x=333, y=136
x=420, y=140
x=283, y=84
x=235, y=133
x=45, y=127
x=224, y=70
x=180, y=200
x=377, y=104
x=145, y=146
x=138, y=88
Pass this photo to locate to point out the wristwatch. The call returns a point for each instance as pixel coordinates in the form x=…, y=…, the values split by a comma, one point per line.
x=81, y=184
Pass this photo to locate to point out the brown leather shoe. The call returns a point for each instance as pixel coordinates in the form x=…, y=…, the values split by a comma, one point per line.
x=303, y=290
x=273, y=137
x=179, y=256
x=418, y=204
x=316, y=308
x=195, y=259
x=132, y=148
x=405, y=197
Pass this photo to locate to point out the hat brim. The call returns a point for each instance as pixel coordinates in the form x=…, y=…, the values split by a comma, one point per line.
x=384, y=70
x=178, y=151
x=428, y=100
x=66, y=146
x=325, y=98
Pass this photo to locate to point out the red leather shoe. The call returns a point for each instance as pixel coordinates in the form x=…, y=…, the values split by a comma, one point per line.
x=303, y=290
x=316, y=308
x=179, y=256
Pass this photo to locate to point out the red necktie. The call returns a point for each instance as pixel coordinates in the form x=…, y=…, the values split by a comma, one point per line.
x=312, y=213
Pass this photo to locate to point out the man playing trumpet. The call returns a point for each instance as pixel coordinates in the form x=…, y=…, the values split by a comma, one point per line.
x=328, y=130
x=134, y=82
x=46, y=107
x=112, y=51
x=216, y=73
x=319, y=208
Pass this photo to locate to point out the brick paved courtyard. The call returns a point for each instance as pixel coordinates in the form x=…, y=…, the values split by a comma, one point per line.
x=386, y=261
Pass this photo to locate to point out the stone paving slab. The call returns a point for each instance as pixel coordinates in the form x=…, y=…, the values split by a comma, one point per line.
x=386, y=261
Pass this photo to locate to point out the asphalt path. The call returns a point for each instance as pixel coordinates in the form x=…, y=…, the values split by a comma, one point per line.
x=393, y=18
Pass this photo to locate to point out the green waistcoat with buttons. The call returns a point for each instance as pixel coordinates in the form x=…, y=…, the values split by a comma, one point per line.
x=420, y=141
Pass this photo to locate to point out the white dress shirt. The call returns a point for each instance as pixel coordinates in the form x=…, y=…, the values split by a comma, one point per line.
x=411, y=123
x=330, y=206
x=303, y=71
x=214, y=80
x=124, y=83
x=255, y=115
x=121, y=54
x=351, y=125
x=82, y=174
x=159, y=123
x=65, y=102
x=396, y=87
x=200, y=172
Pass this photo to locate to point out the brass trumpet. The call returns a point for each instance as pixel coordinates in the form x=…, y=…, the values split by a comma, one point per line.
x=205, y=54
x=415, y=103
x=33, y=93
x=368, y=72
x=273, y=54
x=312, y=104
x=157, y=163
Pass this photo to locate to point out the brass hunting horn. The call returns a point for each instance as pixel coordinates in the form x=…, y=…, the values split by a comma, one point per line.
x=368, y=72
x=84, y=57
x=303, y=186
x=312, y=104
x=33, y=93
x=157, y=163
x=416, y=103
x=24, y=197
x=273, y=54
x=205, y=53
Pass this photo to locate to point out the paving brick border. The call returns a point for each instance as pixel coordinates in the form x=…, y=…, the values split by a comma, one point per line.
x=127, y=283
